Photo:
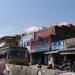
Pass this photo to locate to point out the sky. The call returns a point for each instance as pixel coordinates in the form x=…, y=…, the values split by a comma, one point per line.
x=18, y=15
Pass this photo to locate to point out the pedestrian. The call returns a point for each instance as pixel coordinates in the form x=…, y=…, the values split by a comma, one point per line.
x=39, y=63
x=49, y=65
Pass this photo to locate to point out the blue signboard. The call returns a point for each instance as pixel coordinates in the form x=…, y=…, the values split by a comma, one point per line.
x=57, y=45
x=42, y=48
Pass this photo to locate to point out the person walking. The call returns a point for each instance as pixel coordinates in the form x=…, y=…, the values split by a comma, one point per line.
x=39, y=63
x=49, y=65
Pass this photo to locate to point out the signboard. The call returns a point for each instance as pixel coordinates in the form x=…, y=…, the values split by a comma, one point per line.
x=42, y=48
x=57, y=45
x=45, y=33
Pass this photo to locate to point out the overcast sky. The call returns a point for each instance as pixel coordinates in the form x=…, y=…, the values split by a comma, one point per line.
x=18, y=15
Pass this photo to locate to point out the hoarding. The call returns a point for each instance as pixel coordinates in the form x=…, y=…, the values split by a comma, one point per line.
x=57, y=45
x=42, y=48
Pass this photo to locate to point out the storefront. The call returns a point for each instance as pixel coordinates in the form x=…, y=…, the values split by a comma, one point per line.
x=68, y=54
x=39, y=54
x=54, y=54
x=69, y=58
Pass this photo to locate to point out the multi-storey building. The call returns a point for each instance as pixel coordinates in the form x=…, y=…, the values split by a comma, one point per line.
x=25, y=40
x=26, y=37
x=42, y=43
x=62, y=43
x=8, y=41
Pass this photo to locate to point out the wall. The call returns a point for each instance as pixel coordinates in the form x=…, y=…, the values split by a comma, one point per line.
x=25, y=40
x=45, y=33
x=70, y=43
x=10, y=41
x=41, y=45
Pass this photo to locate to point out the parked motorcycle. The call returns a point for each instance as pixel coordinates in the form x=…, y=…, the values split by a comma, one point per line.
x=64, y=66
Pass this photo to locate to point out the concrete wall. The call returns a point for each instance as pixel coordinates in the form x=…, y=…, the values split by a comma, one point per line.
x=28, y=70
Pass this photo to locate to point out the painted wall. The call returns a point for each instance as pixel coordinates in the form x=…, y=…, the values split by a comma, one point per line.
x=45, y=33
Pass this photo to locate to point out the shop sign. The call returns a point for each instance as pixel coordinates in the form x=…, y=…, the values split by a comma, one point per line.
x=42, y=48
x=57, y=45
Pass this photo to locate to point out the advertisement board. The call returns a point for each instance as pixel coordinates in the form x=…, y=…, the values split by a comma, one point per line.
x=57, y=45
x=42, y=48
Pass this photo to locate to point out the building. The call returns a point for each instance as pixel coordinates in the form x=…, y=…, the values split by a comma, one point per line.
x=61, y=43
x=41, y=45
x=26, y=37
x=25, y=40
x=69, y=50
x=62, y=51
x=8, y=41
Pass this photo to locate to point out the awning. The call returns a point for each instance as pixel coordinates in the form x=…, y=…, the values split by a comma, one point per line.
x=68, y=49
x=65, y=53
x=51, y=52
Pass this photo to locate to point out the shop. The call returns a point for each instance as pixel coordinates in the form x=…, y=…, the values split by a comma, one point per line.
x=68, y=54
x=40, y=56
x=54, y=54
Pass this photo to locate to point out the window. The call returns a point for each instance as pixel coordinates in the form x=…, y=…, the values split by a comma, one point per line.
x=28, y=43
x=24, y=44
x=46, y=41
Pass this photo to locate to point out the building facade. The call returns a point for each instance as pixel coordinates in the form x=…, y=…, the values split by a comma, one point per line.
x=62, y=44
x=8, y=41
x=43, y=45
x=25, y=40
